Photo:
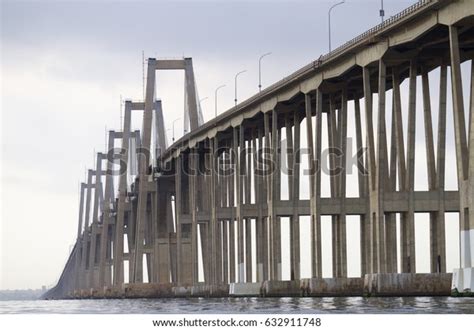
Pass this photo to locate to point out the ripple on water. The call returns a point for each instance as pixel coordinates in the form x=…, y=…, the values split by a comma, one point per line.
x=389, y=305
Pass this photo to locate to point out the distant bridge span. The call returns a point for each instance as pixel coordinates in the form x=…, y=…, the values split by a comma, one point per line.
x=210, y=193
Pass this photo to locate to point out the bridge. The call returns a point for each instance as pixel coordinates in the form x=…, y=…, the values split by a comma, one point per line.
x=213, y=201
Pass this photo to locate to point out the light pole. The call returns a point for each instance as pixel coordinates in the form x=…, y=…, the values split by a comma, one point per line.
x=260, y=71
x=382, y=11
x=174, y=121
x=235, y=84
x=329, y=20
x=215, y=98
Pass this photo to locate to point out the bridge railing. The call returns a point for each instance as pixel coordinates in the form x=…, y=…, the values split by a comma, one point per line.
x=390, y=21
x=362, y=37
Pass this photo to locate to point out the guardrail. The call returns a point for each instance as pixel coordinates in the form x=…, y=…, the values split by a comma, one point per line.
x=390, y=21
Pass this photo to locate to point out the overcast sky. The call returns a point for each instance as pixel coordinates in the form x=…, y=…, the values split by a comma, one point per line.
x=65, y=65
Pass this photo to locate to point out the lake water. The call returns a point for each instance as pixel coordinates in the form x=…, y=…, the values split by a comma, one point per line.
x=397, y=305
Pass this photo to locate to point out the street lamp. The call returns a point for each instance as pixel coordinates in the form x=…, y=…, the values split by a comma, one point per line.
x=260, y=71
x=329, y=20
x=215, y=98
x=235, y=84
x=174, y=121
x=382, y=11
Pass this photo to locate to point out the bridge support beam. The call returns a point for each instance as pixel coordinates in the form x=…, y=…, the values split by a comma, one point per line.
x=463, y=278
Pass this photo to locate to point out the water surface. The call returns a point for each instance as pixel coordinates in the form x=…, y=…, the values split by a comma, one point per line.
x=392, y=305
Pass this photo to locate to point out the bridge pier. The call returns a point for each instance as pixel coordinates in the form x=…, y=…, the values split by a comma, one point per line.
x=463, y=278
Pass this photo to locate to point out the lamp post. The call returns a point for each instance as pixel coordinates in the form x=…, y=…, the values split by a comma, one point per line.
x=260, y=71
x=174, y=121
x=382, y=11
x=235, y=84
x=329, y=20
x=215, y=98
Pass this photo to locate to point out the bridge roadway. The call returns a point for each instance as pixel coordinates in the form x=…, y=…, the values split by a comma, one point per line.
x=181, y=209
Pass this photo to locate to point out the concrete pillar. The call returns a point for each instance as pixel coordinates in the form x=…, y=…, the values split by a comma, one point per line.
x=77, y=267
x=213, y=223
x=219, y=255
x=440, y=172
x=372, y=262
x=143, y=189
x=408, y=227
x=239, y=149
x=316, y=250
x=248, y=250
x=381, y=173
x=118, y=277
x=293, y=192
x=232, y=160
x=390, y=218
x=193, y=174
x=225, y=252
x=93, y=271
x=342, y=184
x=191, y=99
x=401, y=164
x=332, y=143
x=463, y=278
x=435, y=255
x=105, y=241
x=178, y=197
x=364, y=219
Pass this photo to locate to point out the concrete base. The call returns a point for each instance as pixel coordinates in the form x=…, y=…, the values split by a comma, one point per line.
x=245, y=289
x=407, y=284
x=463, y=282
x=147, y=290
x=332, y=287
x=281, y=289
x=207, y=291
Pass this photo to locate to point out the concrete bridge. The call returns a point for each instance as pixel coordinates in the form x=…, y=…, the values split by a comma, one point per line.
x=206, y=196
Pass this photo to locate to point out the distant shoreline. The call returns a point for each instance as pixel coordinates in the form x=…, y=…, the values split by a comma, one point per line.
x=29, y=294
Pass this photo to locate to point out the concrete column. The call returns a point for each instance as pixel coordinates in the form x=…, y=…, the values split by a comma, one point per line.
x=232, y=157
x=332, y=143
x=431, y=169
x=409, y=263
x=364, y=219
x=122, y=193
x=93, y=272
x=193, y=174
x=372, y=268
x=258, y=202
x=463, y=278
x=240, y=162
x=77, y=267
x=213, y=223
x=272, y=273
x=248, y=250
x=190, y=95
x=381, y=173
x=219, y=257
x=178, y=197
x=276, y=193
x=342, y=184
x=225, y=253
x=440, y=171
x=390, y=218
x=317, y=269
x=401, y=164
x=293, y=192
x=105, y=242
x=137, y=256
